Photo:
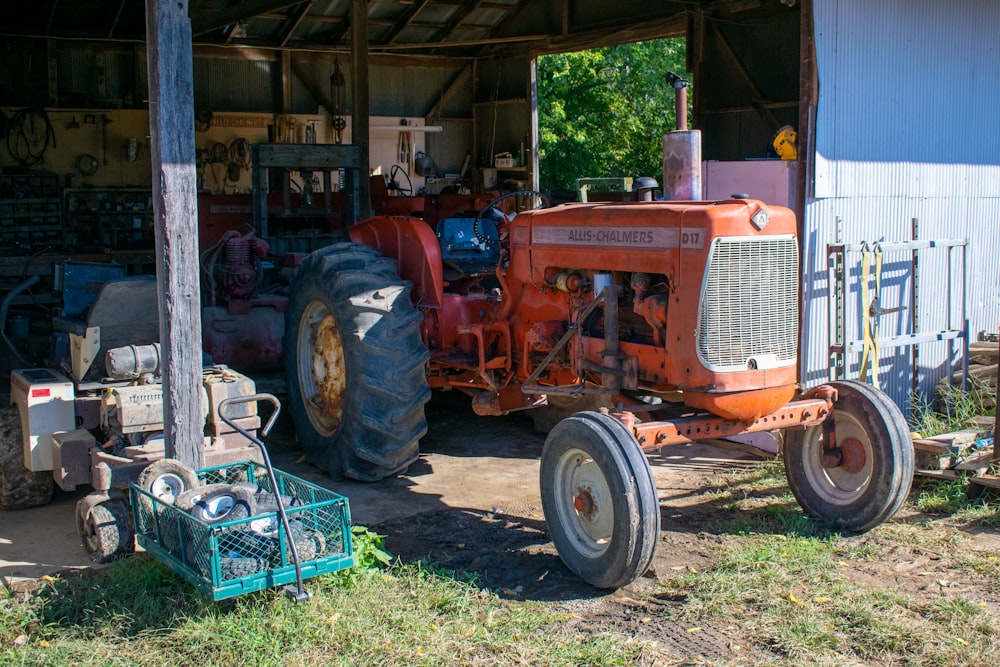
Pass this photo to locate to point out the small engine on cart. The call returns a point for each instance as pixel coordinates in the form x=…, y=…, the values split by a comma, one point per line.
x=106, y=433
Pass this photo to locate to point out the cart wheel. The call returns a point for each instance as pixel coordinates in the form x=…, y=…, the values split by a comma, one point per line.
x=228, y=502
x=310, y=544
x=599, y=499
x=166, y=479
x=873, y=476
x=106, y=530
x=186, y=501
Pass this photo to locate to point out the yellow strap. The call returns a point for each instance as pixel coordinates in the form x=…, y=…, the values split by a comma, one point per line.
x=869, y=316
x=866, y=266
x=876, y=306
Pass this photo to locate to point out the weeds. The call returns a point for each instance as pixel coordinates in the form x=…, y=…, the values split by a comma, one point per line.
x=958, y=408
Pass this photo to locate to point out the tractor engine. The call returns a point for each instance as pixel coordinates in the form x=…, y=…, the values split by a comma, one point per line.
x=233, y=264
x=693, y=300
x=241, y=327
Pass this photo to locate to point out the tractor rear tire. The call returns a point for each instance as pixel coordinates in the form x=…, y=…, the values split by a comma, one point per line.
x=599, y=499
x=20, y=488
x=354, y=362
x=874, y=476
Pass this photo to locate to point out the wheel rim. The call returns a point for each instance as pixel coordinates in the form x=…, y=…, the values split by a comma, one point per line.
x=167, y=487
x=321, y=368
x=844, y=483
x=584, y=502
x=217, y=507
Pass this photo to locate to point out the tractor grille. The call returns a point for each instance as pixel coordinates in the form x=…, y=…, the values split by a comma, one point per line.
x=750, y=304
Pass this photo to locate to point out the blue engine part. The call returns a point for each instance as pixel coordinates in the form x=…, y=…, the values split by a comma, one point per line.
x=470, y=245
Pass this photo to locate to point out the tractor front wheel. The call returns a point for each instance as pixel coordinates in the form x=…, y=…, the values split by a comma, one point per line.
x=354, y=361
x=106, y=529
x=867, y=478
x=599, y=499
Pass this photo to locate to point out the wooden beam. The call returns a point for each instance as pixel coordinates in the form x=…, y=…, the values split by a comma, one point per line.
x=360, y=104
x=448, y=91
x=453, y=22
x=175, y=206
x=207, y=20
x=118, y=16
x=756, y=97
x=404, y=20
x=51, y=17
x=318, y=95
x=295, y=21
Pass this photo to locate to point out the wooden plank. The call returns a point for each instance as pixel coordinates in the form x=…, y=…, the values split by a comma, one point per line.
x=987, y=481
x=938, y=474
x=306, y=156
x=978, y=463
x=171, y=124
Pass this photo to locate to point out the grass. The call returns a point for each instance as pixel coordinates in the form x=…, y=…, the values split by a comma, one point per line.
x=799, y=592
x=137, y=612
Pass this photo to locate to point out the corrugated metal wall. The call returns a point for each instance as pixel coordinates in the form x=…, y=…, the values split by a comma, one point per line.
x=905, y=129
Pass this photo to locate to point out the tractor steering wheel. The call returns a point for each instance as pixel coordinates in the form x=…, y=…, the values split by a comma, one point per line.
x=516, y=193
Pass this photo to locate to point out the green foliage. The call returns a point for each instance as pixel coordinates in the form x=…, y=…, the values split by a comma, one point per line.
x=368, y=551
x=604, y=112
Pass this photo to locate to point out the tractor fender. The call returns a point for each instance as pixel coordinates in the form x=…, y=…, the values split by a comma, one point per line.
x=414, y=246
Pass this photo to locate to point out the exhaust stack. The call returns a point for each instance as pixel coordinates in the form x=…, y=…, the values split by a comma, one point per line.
x=681, y=150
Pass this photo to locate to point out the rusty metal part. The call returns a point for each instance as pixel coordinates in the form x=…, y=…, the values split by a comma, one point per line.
x=484, y=365
x=852, y=455
x=529, y=386
x=328, y=370
x=653, y=435
x=653, y=309
x=583, y=502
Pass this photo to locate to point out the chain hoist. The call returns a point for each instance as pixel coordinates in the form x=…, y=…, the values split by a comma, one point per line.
x=337, y=85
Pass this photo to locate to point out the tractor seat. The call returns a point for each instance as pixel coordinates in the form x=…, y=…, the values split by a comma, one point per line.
x=125, y=311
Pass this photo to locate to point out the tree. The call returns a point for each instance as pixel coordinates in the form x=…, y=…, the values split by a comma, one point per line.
x=603, y=112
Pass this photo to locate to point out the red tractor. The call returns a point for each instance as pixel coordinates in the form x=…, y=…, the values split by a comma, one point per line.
x=630, y=326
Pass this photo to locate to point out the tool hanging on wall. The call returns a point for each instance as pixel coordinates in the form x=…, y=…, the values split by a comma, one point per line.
x=29, y=136
x=405, y=149
x=337, y=86
x=86, y=164
x=239, y=159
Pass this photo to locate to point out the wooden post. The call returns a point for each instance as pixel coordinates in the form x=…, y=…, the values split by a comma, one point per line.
x=171, y=124
x=359, y=108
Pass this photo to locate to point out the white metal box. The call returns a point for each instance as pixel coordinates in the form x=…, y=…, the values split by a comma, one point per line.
x=46, y=401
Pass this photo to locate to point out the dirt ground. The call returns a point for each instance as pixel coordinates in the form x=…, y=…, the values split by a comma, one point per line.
x=472, y=504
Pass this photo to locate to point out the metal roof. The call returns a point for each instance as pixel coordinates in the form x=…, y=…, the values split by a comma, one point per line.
x=446, y=28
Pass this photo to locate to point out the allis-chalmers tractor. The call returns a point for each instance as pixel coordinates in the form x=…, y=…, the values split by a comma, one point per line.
x=679, y=318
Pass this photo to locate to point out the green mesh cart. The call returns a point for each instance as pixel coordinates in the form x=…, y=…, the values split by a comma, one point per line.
x=299, y=530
